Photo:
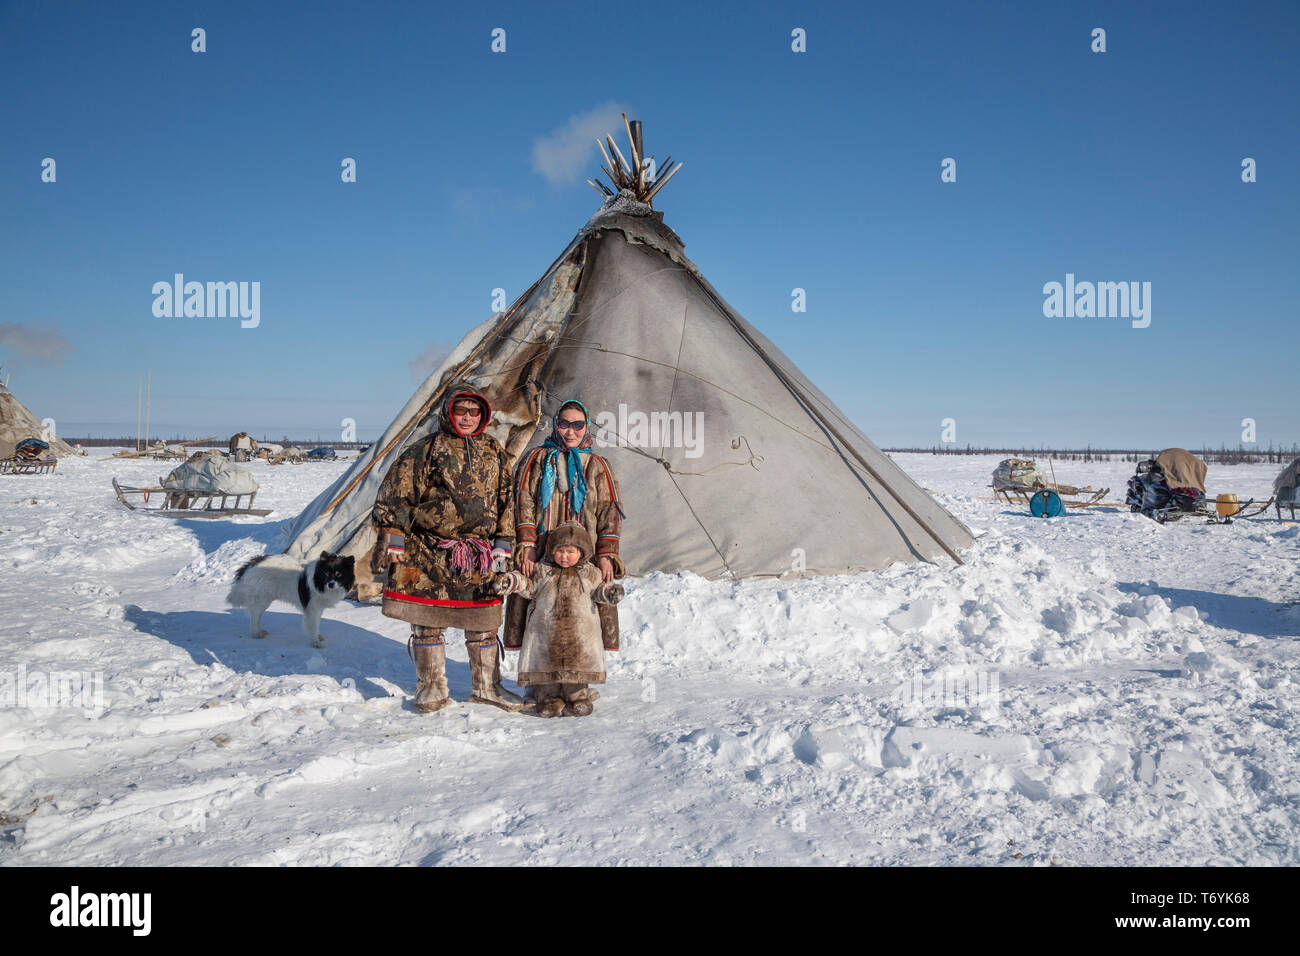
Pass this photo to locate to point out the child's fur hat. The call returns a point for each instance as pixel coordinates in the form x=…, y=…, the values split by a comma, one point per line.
x=572, y=534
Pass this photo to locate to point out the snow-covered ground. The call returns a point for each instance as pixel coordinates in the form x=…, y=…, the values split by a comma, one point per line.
x=1095, y=689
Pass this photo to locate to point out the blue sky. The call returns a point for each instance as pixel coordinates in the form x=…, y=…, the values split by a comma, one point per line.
x=818, y=170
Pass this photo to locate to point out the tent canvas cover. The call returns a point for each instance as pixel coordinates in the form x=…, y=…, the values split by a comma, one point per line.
x=1285, y=484
x=730, y=462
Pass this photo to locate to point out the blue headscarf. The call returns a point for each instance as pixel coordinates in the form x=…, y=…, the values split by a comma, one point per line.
x=576, y=472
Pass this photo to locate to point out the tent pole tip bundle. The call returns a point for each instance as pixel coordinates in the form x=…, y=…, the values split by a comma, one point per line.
x=633, y=176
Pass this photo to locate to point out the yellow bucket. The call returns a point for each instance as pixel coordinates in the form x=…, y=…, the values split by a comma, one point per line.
x=1226, y=505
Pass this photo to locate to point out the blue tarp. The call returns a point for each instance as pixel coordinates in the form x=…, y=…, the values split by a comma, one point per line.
x=31, y=446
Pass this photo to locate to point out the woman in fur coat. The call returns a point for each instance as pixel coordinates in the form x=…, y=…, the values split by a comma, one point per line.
x=563, y=651
x=564, y=480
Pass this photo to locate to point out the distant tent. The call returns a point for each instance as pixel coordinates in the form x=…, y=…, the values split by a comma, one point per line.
x=1182, y=469
x=210, y=473
x=17, y=424
x=1285, y=487
x=730, y=461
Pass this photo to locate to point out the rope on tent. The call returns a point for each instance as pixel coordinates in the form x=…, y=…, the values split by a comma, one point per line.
x=691, y=508
x=722, y=464
x=668, y=465
x=672, y=391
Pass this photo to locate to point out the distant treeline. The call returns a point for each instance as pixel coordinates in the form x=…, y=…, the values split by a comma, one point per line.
x=129, y=441
x=1223, y=455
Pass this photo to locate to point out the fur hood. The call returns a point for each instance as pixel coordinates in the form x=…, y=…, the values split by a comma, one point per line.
x=462, y=390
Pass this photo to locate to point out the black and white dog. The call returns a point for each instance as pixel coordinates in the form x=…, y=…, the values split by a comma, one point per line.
x=312, y=586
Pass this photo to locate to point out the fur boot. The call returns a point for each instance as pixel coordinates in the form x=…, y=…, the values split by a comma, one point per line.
x=430, y=656
x=578, y=699
x=550, y=707
x=485, y=673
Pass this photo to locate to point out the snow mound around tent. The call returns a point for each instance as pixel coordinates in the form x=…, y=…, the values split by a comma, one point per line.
x=1012, y=605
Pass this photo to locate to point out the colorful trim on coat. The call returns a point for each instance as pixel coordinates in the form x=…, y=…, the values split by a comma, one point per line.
x=606, y=544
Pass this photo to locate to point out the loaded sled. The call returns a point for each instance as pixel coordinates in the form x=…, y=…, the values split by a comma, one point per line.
x=1019, y=481
x=206, y=486
x=30, y=457
x=1149, y=493
x=187, y=504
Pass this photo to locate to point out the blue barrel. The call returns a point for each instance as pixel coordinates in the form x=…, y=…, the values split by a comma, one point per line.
x=1046, y=504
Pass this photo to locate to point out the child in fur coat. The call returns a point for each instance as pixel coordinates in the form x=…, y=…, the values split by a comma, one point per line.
x=562, y=650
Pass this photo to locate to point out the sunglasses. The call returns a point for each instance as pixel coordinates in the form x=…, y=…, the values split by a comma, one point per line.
x=574, y=425
x=473, y=411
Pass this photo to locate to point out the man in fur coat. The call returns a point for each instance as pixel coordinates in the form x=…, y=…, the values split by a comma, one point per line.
x=450, y=496
x=563, y=650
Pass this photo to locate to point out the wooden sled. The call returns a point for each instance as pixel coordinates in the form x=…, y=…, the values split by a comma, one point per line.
x=185, y=504
x=1070, y=496
x=1255, y=509
x=17, y=465
x=1207, y=508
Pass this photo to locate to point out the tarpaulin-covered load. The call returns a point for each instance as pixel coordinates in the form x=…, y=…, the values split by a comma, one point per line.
x=1182, y=469
x=324, y=452
x=210, y=473
x=1017, y=472
x=729, y=460
x=31, y=448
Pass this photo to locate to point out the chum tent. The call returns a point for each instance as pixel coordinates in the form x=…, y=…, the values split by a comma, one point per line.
x=17, y=423
x=730, y=462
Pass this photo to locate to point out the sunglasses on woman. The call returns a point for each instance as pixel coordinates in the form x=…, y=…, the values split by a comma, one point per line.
x=573, y=424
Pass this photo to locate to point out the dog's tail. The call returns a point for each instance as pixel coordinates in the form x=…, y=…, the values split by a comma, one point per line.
x=248, y=564
x=235, y=598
